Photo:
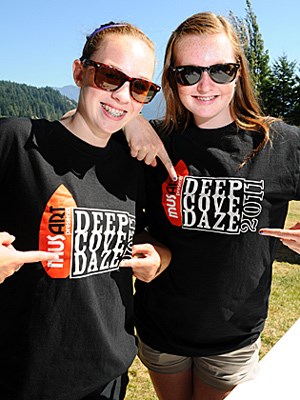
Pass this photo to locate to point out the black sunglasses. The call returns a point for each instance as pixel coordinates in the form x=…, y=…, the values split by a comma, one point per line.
x=188, y=75
x=109, y=78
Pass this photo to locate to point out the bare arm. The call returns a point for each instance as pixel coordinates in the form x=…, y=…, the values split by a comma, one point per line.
x=146, y=145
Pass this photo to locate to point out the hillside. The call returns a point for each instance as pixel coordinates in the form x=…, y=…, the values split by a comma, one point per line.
x=71, y=91
x=21, y=100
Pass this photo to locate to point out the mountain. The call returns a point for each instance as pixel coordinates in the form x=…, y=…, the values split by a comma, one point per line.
x=20, y=100
x=70, y=91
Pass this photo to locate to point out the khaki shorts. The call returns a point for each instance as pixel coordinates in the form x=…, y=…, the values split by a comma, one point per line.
x=222, y=372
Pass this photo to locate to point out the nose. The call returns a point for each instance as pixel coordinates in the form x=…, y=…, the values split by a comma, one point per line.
x=122, y=94
x=205, y=80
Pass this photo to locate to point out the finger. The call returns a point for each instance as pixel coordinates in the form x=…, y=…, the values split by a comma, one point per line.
x=141, y=155
x=139, y=151
x=133, y=152
x=36, y=256
x=138, y=255
x=125, y=264
x=6, y=239
x=270, y=232
x=279, y=233
x=289, y=243
x=150, y=158
x=165, y=159
x=130, y=262
x=142, y=250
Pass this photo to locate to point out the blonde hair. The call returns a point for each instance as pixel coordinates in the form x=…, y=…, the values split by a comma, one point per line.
x=244, y=108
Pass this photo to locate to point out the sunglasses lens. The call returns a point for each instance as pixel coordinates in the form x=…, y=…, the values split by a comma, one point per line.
x=143, y=91
x=188, y=75
x=108, y=78
x=223, y=73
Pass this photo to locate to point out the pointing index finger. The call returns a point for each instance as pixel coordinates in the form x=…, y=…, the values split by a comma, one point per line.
x=165, y=159
x=278, y=233
x=36, y=256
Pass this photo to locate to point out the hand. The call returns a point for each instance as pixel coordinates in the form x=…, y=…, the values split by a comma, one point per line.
x=145, y=262
x=11, y=260
x=289, y=237
x=145, y=144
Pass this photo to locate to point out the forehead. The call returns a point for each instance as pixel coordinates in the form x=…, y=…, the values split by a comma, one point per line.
x=204, y=50
x=128, y=53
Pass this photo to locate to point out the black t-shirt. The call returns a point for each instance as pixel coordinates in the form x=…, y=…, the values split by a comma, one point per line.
x=66, y=328
x=213, y=298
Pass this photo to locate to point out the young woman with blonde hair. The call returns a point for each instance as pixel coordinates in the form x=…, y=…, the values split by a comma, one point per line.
x=67, y=323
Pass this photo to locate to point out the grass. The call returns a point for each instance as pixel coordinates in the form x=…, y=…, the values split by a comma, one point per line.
x=284, y=310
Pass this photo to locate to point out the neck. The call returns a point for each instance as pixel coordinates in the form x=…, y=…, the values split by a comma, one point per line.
x=80, y=128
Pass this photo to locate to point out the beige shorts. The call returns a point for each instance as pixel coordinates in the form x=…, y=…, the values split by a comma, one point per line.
x=222, y=372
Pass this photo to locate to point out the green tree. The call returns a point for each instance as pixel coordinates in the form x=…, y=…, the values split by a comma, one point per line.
x=295, y=114
x=285, y=89
x=21, y=100
x=258, y=58
x=277, y=87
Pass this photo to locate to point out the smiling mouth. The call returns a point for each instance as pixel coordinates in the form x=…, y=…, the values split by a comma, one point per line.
x=113, y=111
x=205, y=98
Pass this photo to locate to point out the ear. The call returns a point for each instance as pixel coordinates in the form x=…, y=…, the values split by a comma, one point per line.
x=78, y=72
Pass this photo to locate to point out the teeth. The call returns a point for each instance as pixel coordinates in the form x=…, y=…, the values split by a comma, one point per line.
x=206, y=98
x=112, y=111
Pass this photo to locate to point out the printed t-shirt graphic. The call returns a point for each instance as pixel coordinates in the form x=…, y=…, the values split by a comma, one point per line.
x=88, y=241
x=224, y=205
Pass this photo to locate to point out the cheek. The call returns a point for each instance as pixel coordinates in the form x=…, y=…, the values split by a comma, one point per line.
x=184, y=93
x=90, y=93
x=184, y=90
x=228, y=91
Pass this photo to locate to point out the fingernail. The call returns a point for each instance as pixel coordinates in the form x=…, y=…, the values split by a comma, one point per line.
x=261, y=232
x=175, y=178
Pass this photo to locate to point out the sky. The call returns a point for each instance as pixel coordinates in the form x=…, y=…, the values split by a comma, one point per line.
x=39, y=39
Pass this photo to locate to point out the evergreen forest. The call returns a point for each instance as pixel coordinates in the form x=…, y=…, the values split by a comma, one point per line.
x=21, y=100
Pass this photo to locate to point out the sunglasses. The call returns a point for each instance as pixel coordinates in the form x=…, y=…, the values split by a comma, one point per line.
x=188, y=75
x=110, y=79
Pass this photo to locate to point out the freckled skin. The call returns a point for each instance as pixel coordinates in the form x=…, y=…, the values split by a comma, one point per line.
x=206, y=100
x=101, y=113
